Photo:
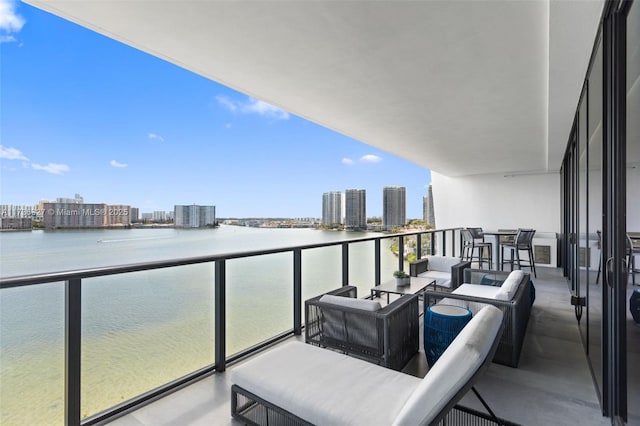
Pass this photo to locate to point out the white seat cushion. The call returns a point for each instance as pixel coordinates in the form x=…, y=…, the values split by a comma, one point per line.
x=351, y=302
x=477, y=290
x=443, y=279
x=324, y=387
x=442, y=263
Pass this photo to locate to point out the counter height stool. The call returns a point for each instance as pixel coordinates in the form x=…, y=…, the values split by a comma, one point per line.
x=522, y=241
x=469, y=244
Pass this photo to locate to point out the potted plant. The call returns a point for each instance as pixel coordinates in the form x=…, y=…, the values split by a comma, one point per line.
x=402, y=278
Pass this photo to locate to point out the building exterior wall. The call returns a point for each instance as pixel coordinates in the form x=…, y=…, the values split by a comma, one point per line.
x=74, y=215
x=394, y=206
x=331, y=207
x=194, y=216
x=428, y=214
x=355, y=209
x=498, y=201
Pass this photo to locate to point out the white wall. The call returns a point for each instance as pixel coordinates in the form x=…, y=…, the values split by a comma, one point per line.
x=495, y=201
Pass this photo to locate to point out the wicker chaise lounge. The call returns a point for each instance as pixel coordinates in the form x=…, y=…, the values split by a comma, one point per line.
x=388, y=336
x=302, y=384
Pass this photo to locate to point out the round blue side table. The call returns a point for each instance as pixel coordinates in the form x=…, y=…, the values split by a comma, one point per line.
x=442, y=323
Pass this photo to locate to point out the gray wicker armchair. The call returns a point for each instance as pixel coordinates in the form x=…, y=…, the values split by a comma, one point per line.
x=516, y=311
x=388, y=336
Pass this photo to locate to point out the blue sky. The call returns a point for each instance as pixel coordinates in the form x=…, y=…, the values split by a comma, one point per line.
x=81, y=113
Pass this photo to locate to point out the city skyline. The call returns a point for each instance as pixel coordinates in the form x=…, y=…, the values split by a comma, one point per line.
x=85, y=114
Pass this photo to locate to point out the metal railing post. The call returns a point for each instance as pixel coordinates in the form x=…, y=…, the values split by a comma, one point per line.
x=444, y=243
x=345, y=264
x=72, y=363
x=401, y=253
x=297, y=292
x=418, y=246
x=453, y=243
x=432, y=235
x=220, y=315
x=376, y=261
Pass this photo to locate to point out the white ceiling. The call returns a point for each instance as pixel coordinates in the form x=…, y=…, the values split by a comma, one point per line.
x=459, y=87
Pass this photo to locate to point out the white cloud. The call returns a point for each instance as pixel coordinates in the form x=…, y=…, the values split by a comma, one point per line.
x=114, y=163
x=155, y=136
x=347, y=161
x=10, y=21
x=266, y=109
x=253, y=106
x=53, y=168
x=227, y=103
x=370, y=158
x=12, y=154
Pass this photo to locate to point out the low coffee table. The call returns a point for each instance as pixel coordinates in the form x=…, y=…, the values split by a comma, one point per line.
x=417, y=285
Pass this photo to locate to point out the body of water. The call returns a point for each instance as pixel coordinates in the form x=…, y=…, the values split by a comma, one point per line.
x=143, y=329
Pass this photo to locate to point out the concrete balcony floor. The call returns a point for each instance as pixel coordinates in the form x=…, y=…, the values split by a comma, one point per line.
x=551, y=386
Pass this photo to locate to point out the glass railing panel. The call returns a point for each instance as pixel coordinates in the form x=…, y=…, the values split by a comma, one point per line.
x=362, y=266
x=410, y=250
x=321, y=271
x=259, y=296
x=32, y=355
x=389, y=259
x=144, y=329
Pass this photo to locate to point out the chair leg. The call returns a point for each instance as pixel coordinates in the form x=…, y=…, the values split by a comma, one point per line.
x=518, y=257
x=532, y=262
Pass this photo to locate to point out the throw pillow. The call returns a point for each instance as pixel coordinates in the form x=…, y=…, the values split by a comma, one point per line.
x=488, y=280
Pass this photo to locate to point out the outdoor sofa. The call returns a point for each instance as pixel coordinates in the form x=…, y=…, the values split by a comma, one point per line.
x=446, y=270
x=388, y=336
x=301, y=384
x=508, y=291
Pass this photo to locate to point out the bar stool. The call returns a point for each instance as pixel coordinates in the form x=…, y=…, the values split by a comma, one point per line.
x=470, y=244
x=522, y=241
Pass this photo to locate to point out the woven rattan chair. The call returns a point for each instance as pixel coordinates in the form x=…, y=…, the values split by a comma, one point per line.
x=471, y=243
x=388, y=336
x=522, y=241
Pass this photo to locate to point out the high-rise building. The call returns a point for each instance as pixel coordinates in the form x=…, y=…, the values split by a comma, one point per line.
x=135, y=214
x=194, y=216
x=331, y=207
x=355, y=209
x=428, y=212
x=84, y=215
x=394, y=206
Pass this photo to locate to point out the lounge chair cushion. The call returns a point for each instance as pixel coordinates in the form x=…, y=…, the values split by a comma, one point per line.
x=477, y=290
x=509, y=287
x=351, y=302
x=325, y=387
x=443, y=279
x=446, y=378
x=442, y=263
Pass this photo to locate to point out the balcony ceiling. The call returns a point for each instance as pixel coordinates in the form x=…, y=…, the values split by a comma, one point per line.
x=459, y=87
